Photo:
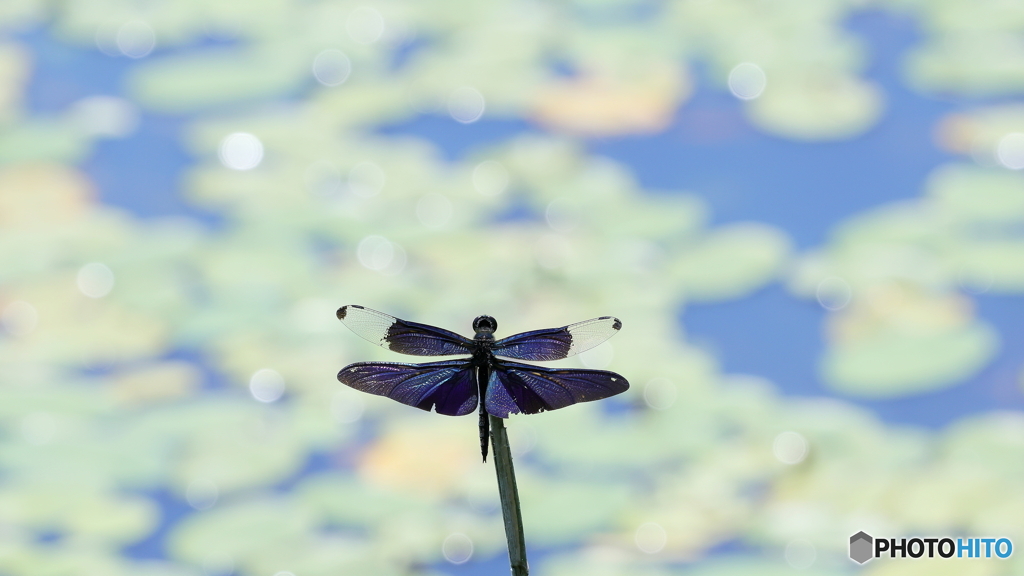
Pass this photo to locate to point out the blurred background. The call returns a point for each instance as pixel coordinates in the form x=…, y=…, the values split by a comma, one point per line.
x=808, y=215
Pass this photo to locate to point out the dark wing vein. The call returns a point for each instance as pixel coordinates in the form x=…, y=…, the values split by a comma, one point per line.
x=448, y=386
x=401, y=335
x=516, y=388
x=558, y=343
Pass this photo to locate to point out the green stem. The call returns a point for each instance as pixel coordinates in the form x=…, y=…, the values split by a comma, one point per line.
x=509, y=498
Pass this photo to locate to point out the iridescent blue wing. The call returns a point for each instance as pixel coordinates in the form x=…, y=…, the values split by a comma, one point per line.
x=448, y=386
x=516, y=388
x=401, y=335
x=558, y=343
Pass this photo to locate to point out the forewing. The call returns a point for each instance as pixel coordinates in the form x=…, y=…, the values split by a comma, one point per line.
x=520, y=388
x=401, y=335
x=448, y=386
x=558, y=343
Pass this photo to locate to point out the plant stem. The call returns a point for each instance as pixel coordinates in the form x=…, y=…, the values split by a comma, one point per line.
x=509, y=498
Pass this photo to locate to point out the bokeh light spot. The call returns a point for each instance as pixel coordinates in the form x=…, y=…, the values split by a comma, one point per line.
x=457, y=548
x=1010, y=151
x=522, y=438
x=660, y=393
x=490, y=178
x=834, y=293
x=331, y=67
x=95, y=280
x=266, y=385
x=135, y=39
x=975, y=282
x=202, y=494
x=379, y=254
x=790, y=448
x=106, y=40
x=466, y=104
x=747, y=81
x=241, y=151
x=650, y=538
x=365, y=25
x=562, y=215
x=800, y=554
x=347, y=407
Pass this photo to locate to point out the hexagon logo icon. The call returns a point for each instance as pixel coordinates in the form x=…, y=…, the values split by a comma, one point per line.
x=860, y=547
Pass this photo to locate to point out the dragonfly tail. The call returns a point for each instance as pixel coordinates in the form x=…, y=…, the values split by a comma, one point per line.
x=485, y=431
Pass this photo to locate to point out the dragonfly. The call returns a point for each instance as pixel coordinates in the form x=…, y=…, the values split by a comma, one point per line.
x=488, y=377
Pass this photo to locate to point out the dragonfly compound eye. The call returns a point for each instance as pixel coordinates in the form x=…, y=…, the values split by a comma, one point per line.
x=485, y=324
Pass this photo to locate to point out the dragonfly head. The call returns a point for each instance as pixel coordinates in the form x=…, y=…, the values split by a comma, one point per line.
x=484, y=326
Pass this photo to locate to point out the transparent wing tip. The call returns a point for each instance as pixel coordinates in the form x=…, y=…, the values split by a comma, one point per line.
x=343, y=311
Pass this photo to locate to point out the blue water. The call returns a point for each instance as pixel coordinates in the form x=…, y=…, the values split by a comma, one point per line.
x=63, y=74
x=807, y=189
x=172, y=510
x=141, y=172
x=455, y=139
x=771, y=334
x=803, y=188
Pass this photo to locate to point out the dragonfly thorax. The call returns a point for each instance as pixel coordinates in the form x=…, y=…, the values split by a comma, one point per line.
x=484, y=326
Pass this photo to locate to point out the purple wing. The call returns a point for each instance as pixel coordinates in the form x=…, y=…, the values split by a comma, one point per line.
x=448, y=386
x=516, y=388
x=401, y=335
x=558, y=343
